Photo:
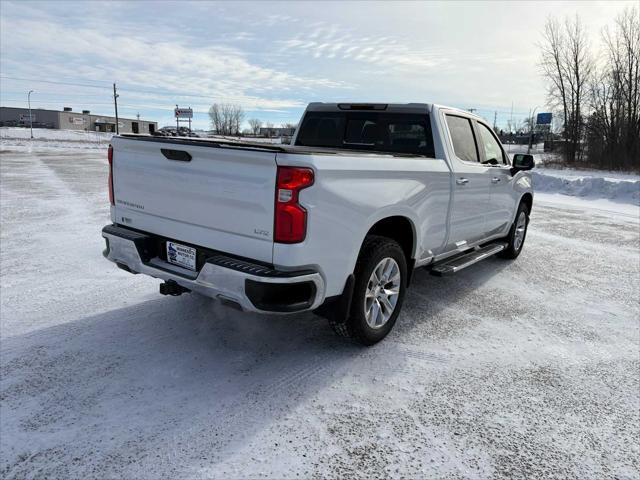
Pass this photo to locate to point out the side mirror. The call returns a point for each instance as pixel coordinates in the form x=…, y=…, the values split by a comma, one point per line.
x=521, y=162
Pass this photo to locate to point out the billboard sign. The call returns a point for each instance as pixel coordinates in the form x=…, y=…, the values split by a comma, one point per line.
x=183, y=113
x=544, y=119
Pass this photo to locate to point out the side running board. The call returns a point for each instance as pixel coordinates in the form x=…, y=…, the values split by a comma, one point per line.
x=454, y=265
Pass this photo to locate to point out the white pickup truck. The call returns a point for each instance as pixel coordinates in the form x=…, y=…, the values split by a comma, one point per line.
x=336, y=222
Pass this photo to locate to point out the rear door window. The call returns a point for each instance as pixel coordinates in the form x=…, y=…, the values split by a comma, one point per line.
x=373, y=131
x=463, y=138
x=321, y=130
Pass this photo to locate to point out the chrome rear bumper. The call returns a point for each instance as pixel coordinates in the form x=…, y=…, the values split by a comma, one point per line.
x=253, y=287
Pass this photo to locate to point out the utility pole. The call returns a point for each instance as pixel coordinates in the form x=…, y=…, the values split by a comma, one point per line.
x=531, y=130
x=511, y=126
x=495, y=120
x=177, y=122
x=511, y=117
x=30, y=116
x=189, y=122
x=115, y=103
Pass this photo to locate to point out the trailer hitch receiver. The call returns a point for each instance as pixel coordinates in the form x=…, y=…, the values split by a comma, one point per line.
x=170, y=287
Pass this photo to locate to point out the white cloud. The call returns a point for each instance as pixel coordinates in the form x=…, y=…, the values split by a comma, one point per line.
x=217, y=72
x=278, y=57
x=332, y=42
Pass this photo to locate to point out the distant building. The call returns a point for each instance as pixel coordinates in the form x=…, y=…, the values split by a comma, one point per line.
x=277, y=131
x=67, y=119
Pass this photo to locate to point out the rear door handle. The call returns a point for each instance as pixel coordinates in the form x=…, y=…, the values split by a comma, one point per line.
x=495, y=180
x=462, y=181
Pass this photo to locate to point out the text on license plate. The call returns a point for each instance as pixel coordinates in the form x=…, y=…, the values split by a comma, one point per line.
x=181, y=255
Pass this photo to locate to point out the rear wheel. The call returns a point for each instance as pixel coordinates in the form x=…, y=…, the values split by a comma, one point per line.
x=379, y=288
x=517, y=234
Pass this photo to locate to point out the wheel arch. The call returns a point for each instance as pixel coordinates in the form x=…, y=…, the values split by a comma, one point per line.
x=401, y=229
x=527, y=199
x=397, y=227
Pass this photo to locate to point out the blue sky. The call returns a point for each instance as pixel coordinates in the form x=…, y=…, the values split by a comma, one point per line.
x=274, y=58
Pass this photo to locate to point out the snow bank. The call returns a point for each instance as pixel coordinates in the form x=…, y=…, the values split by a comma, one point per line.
x=587, y=184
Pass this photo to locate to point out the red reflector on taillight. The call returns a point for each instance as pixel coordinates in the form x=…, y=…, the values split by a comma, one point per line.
x=290, y=219
x=110, y=158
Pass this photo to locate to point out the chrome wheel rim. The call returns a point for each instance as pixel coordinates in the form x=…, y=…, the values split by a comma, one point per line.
x=521, y=228
x=381, y=296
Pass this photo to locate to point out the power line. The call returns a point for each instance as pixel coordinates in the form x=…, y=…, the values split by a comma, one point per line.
x=56, y=94
x=57, y=103
x=126, y=89
x=120, y=105
x=53, y=82
x=174, y=95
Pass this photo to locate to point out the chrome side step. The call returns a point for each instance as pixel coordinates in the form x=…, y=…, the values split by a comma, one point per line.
x=454, y=265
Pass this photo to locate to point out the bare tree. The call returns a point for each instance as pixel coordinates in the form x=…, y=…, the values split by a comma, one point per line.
x=580, y=69
x=226, y=118
x=238, y=118
x=568, y=66
x=553, y=65
x=215, y=115
x=255, y=124
x=614, y=125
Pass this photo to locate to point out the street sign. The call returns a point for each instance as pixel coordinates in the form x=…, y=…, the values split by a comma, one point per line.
x=183, y=112
x=544, y=119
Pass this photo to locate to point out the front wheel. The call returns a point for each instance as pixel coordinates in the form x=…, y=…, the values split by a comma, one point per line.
x=379, y=288
x=517, y=234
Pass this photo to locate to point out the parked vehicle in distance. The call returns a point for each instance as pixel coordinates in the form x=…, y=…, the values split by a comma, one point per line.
x=335, y=223
x=174, y=132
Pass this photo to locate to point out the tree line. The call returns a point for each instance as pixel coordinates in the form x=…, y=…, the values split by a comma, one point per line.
x=597, y=97
x=227, y=119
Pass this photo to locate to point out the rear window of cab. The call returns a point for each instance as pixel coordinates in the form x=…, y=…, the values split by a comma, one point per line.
x=408, y=134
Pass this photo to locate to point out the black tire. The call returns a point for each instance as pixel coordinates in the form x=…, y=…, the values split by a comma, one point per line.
x=374, y=250
x=512, y=251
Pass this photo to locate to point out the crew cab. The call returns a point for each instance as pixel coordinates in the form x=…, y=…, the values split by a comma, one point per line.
x=334, y=223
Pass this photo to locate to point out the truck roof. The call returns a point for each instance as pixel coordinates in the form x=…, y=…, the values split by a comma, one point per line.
x=382, y=107
x=386, y=107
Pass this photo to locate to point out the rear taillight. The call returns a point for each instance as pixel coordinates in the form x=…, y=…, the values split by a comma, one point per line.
x=110, y=157
x=290, y=224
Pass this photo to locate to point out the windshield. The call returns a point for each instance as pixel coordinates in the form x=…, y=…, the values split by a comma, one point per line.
x=372, y=131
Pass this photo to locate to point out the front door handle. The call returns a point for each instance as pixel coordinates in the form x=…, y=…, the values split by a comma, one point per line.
x=462, y=181
x=495, y=180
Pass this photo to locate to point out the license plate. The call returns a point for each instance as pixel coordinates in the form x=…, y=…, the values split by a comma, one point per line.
x=181, y=255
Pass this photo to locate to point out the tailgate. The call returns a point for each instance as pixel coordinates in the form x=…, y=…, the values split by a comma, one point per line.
x=222, y=198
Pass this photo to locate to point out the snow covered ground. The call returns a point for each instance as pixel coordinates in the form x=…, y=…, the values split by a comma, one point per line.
x=19, y=139
x=507, y=370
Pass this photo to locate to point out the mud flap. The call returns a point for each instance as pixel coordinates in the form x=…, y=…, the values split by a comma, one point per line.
x=336, y=309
